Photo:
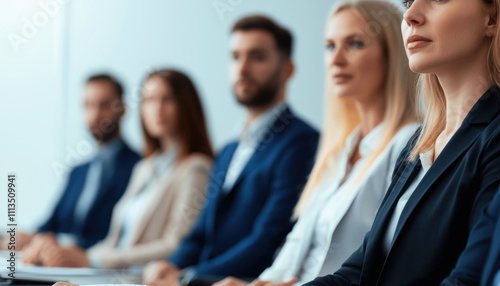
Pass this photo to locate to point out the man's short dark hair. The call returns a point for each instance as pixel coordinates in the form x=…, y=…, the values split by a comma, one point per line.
x=282, y=36
x=109, y=78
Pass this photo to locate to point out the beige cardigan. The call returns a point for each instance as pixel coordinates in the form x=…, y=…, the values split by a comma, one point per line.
x=178, y=198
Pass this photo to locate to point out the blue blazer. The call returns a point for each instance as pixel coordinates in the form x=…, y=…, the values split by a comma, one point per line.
x=96, y=224
x=239, y=231
x=435, y=224
x=482, y=254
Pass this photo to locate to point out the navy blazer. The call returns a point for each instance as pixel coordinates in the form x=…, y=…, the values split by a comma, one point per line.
x=96, y=224
x=435, y=224
x=239, y=231
x=482, y=254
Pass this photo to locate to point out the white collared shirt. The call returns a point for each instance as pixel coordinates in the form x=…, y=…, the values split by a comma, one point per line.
x=426, y=161
x=341, y=209
x=250, y=139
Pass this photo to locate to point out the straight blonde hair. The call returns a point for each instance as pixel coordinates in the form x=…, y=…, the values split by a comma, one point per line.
x=434, y=97
x=383, y=22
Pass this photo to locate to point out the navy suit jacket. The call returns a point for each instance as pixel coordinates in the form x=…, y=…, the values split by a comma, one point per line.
x=96, y=224
x=239, y=231
x=482, y=254
x=435, y=224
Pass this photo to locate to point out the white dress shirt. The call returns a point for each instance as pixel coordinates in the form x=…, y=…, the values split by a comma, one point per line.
x=250, y=139
x=341, y=209
x=426, y=161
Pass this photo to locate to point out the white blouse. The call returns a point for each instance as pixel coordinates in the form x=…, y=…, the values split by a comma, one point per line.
x=340, y=211
x=163, y=163
x=132, y=212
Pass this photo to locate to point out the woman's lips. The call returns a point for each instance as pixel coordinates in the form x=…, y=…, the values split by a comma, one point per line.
x=341, y=78
x=416, y=41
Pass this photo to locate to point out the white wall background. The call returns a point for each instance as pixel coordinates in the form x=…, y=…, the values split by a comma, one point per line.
x=42, y=132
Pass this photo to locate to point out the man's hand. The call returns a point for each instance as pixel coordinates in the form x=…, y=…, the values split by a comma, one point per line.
x=267, y=283
x=39, y=243
x=160, y=273
x=72, y=256
x=22, y=239
x=231, y=281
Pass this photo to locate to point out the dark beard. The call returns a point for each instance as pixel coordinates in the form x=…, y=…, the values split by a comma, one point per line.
x=264, y=95
x=104, y=136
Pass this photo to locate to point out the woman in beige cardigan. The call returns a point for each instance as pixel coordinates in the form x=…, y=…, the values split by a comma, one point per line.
x=167, y=189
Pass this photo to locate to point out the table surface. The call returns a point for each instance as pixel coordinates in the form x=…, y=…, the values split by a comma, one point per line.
x=81, y=276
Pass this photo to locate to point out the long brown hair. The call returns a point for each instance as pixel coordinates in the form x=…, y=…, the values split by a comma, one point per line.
x=192, y=127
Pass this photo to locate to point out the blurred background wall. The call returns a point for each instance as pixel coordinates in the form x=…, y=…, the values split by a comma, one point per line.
x=49, y=47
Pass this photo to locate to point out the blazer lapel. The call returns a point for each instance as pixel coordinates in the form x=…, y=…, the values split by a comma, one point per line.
x=259, y=152
x=161, y=187
x=108, y=184
x=476, y=121
x=223, y=167
x=459, y=144
x=254, y=160
x=307, y=223
x=479, y=116
x=80, y=179
x=214, y=192
x=387, y=208
x=137, y=181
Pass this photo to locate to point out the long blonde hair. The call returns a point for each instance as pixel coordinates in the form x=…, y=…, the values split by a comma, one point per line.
x=341, y=116
x=434, y=97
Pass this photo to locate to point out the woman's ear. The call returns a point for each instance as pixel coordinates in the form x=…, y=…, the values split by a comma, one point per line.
x=491, y=25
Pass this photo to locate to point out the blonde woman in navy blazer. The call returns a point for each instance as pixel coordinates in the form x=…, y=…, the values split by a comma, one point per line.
x=450, y=170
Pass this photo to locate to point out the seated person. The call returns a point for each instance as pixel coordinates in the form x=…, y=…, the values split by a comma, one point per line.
x=377, y=107
x=450, y=170
x=167, y=188
x=83, y=214
x=256, y=181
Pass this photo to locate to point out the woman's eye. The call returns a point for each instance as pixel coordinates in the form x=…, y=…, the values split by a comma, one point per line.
x=330, y=47
x=407, y=3
x=358, y=44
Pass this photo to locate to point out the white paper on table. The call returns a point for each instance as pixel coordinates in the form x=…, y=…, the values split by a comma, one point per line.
x=114, y=285
x=58, y=271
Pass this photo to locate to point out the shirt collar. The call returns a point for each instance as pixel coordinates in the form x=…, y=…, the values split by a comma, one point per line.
x=253, y=132
x=165, y=160
x=426, y=159
x=110, y=150
x=368, y=143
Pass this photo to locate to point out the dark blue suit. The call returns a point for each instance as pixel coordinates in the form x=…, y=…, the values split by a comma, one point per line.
x=435, y=224
x=482, y=254
x=96, y=224
x=239, y=231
